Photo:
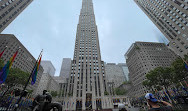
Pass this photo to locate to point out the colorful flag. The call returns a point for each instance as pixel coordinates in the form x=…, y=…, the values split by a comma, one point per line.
x=186, y=66
x=36, y=69
x=4, y=72
x=186, y=83
x=2, y=53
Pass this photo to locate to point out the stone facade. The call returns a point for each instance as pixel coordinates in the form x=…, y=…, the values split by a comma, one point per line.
x=65, y=68
x=125, y=70
x=171, y=17
x=87, y=79
x=24, y=60
x=143, y=57
x=115, y=74
x=48, y=83
x=48, y=67
x=10, y=9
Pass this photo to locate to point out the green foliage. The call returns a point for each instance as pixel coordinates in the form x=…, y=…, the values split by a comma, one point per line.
x=159, y=77
x=126, y=82
x=70, y=94
x=54, y=93
x=1, y=64
x=16, y=77
x=30, y=91
x=120, y=91
x=106, y=93
x=180, y=72
x=165, y=76
x=137, y=47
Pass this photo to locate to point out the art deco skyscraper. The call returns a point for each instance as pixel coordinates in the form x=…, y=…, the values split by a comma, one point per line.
x=171, y=17
x=87, y=82
x=10, y=9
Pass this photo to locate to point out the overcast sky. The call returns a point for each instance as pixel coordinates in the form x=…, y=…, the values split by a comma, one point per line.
x=51, y=25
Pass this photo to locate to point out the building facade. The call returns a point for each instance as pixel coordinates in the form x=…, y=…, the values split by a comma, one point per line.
x=24, y=60
x=114, y=74
x=87, y=79
x=65, y=68
x=171, y=17
x=143, y=57
x=10, y=9
x=63, y=83
x=48, y=67
x=47, y=81
x=125, y=70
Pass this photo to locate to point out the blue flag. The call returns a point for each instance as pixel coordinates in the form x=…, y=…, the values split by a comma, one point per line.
x=186, y=66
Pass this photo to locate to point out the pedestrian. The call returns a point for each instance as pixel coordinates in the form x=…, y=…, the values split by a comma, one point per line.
x=153, y=104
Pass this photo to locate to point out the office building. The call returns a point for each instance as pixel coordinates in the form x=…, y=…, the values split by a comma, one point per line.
x=24, y=60
x=48, y=67
x=10, y=9
x=171, y=18
x=47, y=81
x=125, y=70
x=114, y=74
x=143, y=57
x=65, y=68
x=87, y=79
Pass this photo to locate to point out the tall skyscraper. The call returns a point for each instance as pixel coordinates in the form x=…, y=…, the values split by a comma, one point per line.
x=87, y=80
x=143, y=57
x=171, y=17
x=10, y=9
x=65, y=68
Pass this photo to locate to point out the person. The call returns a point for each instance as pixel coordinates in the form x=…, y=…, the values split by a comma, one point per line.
x=153, y=105
x=39, y=100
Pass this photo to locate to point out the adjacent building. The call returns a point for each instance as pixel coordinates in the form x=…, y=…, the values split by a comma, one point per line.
x=87, y=79
x=65, y=68
x=24, y=60
x=10, y=9
x=48, y=67
x=125, y=70
x=143, y=57
x=47, y=81
x=171, y=17
x=114, y=74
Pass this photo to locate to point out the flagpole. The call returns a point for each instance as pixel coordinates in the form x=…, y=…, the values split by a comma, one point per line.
x=17, y=103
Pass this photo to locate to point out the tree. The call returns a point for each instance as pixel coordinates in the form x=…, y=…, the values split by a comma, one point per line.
x=16, y=77
x=120, y=91
x=159, y=77
x=54, y=93
x=126, y=82
x=106, y=93
x=180, y=72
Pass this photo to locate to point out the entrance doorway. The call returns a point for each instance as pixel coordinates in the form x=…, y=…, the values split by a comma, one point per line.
x=88, y=103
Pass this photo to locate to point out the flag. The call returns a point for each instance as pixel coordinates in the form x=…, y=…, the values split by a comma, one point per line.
x=4, y=72
x=186, y=66
x=186, y=83
x=2, y=53
x=36, y=69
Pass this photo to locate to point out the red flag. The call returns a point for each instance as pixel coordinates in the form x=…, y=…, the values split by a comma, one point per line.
x=2, y=53
x=186, y=83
